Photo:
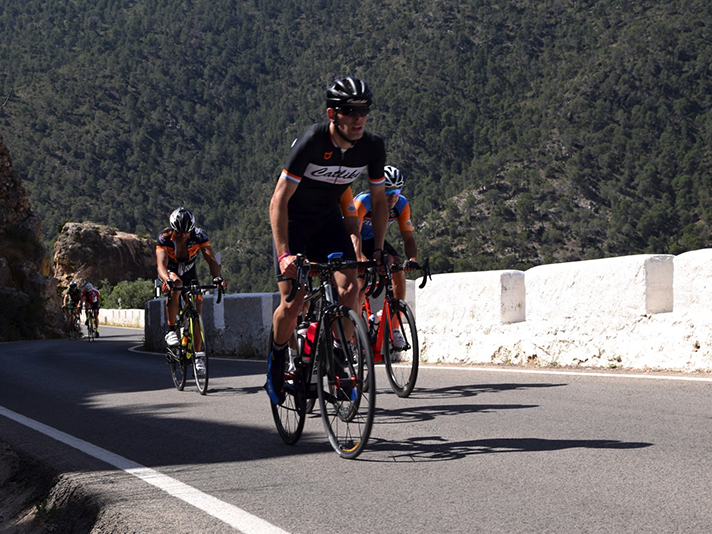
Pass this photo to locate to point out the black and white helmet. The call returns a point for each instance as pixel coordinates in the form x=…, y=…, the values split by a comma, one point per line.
x=348, y=91
x=394, y=178
x=182, y=220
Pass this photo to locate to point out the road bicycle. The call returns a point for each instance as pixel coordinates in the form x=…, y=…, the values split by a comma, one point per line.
x=74, y=329
x=90, y=323
x=327, y=364
x=401, y=356
x=189, y=328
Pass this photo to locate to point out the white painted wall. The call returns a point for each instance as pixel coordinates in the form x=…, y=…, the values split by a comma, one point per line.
x=637, y=312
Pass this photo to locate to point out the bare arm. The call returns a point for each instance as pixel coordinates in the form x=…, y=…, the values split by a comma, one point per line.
x=213, y=265
x=411, y=248
x=353, y=225
x=162, y=264
x=379, y=215
x=279, y=217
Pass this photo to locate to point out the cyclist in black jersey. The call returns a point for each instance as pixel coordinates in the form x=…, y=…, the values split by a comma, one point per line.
x=305, y=213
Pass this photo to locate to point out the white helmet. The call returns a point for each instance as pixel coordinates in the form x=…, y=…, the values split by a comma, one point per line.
x=88, y=287
x=394, y=178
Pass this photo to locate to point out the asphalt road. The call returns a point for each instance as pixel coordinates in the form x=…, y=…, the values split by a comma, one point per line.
x=472, y=450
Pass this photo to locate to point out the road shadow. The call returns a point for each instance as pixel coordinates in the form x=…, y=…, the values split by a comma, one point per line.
x=472, y=390
x=437, y=449
x=419, y=414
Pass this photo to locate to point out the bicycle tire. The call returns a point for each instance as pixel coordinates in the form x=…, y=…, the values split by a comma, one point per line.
x=201, y=381
x=401, y=365
x=179, y=365
x=364, y=318
x=76, y=328
x=347, y=403
x=289, y=416
x=90, y=328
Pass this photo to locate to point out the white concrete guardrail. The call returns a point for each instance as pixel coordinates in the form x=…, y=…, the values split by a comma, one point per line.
x=640, y=312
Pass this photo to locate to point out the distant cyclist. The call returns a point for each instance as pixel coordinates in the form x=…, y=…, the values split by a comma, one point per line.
x=72, y=300
x=72, y=296
x=92, y=299
x=398, y=210
x=304, y=211
x=177, y=250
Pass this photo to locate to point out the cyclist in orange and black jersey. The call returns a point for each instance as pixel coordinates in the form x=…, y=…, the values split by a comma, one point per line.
x=177, y=250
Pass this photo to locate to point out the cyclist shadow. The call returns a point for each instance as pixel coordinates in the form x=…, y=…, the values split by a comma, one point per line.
x=472, y=390
x=227, y=390
x=419, y=414
x=437, y=449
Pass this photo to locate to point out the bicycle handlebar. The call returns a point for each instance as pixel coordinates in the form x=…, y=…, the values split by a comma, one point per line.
x=197, y=289
x=424, y=269
x=306, y=270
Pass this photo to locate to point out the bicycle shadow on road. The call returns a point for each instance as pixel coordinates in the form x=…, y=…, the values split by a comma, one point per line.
x=437, y=449
x=419, y=414
x=472, y=390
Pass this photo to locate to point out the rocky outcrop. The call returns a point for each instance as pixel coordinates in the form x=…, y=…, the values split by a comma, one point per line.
x=29, y=304
x=88, y=252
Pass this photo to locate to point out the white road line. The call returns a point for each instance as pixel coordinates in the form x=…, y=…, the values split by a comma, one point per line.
x=229, y=514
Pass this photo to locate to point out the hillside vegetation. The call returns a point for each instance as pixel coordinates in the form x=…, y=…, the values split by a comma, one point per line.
x=529, y=131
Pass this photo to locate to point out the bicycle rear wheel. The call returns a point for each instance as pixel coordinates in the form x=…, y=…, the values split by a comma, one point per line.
x=402, y=358
x=346, y=388
x=289, y=416
x=201, y=379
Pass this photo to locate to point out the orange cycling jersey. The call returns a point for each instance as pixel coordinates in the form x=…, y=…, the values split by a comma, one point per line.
x=198, y=240
x=361, y=207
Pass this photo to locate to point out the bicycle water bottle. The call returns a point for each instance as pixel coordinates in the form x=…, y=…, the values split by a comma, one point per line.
x=309, y=340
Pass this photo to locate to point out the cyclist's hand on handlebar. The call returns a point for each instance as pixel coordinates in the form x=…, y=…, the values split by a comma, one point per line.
x=288, y=267
x=410, y=265
x=382, y=258
x=220, y=281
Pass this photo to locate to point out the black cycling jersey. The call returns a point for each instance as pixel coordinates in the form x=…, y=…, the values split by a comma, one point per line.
x=324, y=171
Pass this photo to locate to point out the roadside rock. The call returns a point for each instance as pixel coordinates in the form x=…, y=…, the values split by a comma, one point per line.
x=29, y=304
x=87, y=252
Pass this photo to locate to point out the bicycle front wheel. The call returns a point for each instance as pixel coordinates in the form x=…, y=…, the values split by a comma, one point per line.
x=201, y=375
x=179, y=366
x=289, y=416
x=401, y=355
x=91, y=332
x=179, y=369
x=346, y=388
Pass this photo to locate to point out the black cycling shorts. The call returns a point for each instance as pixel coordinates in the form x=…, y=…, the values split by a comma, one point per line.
x=367, y=247
x=317, y=241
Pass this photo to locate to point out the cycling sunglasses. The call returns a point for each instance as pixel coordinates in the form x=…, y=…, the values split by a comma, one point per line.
x=351, y=111
x=390, y=192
